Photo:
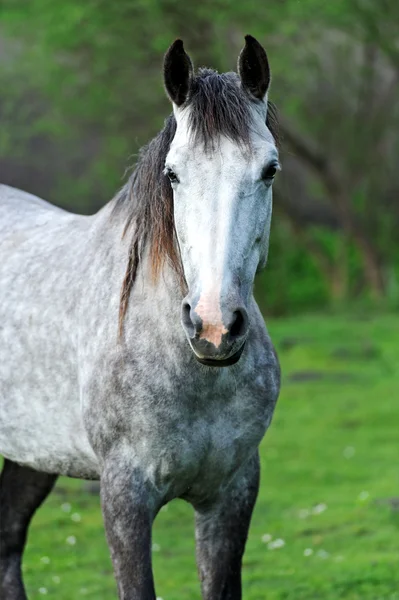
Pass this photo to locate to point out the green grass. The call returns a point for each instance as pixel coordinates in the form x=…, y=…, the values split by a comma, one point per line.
x=330, y=475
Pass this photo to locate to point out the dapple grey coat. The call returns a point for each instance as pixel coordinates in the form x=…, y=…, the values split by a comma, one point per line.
x=137, y=410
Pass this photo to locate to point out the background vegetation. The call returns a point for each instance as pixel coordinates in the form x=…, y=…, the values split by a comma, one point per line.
x=81, y=91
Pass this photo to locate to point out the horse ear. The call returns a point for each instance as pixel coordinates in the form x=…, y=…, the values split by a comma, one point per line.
x=178, y=71
x=253, y=68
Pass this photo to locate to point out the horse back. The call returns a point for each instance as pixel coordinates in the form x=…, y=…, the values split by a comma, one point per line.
x=20, y=211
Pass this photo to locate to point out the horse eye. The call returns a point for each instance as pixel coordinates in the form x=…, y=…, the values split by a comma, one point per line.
x=269, y=172
x=173, y=178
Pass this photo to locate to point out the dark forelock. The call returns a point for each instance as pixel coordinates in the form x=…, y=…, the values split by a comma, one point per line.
x=218, y=107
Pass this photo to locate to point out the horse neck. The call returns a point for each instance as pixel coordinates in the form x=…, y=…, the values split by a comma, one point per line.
x=151, y=303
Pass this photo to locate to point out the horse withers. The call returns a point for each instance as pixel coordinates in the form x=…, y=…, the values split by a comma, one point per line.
x=132, y=349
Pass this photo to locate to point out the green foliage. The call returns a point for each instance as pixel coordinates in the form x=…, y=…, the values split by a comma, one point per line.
x=82, y=82
x=277, y=289
x=328, y=488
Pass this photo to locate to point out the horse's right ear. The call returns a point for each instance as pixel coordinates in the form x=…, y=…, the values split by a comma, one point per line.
x=177, y=71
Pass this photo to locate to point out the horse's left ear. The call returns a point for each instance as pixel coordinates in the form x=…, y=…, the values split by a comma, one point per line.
x=178, y=71
x=253, y=68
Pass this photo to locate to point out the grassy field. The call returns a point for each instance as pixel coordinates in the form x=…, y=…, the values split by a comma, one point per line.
x=326, y=523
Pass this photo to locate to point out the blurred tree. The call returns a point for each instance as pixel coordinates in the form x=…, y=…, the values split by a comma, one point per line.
x=82, y=89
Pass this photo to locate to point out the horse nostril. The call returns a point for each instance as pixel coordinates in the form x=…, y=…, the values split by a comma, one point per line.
x=192, y=325
x=186, y=318
x=238, y=325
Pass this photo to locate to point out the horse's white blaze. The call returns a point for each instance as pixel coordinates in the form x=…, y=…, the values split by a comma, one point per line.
x=211, y=244
x=220, y=207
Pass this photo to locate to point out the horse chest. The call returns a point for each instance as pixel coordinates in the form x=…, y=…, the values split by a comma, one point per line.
x=195, y=453
x=186, y=434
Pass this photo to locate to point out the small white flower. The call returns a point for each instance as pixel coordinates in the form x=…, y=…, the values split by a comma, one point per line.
x=45, y=560
x=308, y=552
x=303, y=513
x=363, y=496
x=76, y=517
x=156, y=547
x=322, y=554
x=71, y=540
x=278, y=543
x=349, y=452
x=266, y=538
x=56, y=579
x=66, y=507
x=43, y=590
x=319, y=508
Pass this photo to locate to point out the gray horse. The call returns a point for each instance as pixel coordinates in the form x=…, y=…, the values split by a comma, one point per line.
x=132, y=349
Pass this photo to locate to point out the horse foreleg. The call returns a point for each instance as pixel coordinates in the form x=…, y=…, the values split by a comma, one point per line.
x=221, y=534
x=128, y=516
x=22, y=490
